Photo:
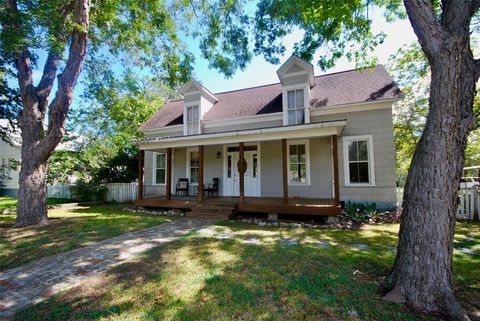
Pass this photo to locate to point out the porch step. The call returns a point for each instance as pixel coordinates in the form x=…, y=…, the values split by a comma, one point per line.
x=217, y=211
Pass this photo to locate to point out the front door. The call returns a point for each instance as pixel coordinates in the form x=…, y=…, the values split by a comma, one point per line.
x=252, y=172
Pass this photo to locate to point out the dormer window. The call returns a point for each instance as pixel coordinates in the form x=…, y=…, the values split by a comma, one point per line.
x=197, y=101
x=296, y=107
x=192, y=120
x=296, y=76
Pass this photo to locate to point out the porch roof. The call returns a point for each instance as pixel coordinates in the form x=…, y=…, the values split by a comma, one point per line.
x=317, y=129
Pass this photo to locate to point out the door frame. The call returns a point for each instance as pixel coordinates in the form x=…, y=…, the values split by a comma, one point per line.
x=224, y=183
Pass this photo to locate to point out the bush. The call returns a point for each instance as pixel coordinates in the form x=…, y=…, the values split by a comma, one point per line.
x=356, y=214
x=88, y=191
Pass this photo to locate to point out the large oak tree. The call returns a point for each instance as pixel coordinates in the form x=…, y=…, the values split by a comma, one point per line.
x=422, y=274
x=145, y=34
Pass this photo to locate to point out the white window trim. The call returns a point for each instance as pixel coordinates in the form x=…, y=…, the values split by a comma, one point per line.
x=185, y=106
x=189, y=150
x=306, y=101
x=154, y=169
x=371, y=162
x=306, y=142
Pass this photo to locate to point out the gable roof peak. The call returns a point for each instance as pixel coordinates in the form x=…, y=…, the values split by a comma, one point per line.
x=296, y=60
x=203, y=90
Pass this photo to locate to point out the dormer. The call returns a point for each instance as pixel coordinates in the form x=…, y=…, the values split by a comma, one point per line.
x=296, y=76
x=197, y=101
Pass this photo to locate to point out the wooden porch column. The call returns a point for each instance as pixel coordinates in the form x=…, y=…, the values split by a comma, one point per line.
x=241, y=170
x=285, y=171
x=336, y=181
x=200, y=173
x=168, y=192
x=141, y=162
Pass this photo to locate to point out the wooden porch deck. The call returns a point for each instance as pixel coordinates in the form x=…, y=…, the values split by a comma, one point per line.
x=301, y=206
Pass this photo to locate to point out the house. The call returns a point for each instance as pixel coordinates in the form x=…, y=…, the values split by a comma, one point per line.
x=10, y=157
x=9, y=161
x=308, y=143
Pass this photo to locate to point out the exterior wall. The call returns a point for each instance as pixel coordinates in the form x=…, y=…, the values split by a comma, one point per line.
x=294, y=80
x=173, y=133
x=263, y=124
x=213, y=167
x=379, y=124
x=321, y=171
x=10, y=187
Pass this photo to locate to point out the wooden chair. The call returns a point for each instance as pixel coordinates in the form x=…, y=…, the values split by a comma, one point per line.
x=212, y=187
x=182, y=186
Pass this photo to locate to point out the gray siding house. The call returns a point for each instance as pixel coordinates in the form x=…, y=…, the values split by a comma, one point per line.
x=308, y=143
x=9, y=153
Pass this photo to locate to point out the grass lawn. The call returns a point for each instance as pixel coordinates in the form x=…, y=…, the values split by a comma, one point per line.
x=11, y=202
x=68, y=229
x=253, y=276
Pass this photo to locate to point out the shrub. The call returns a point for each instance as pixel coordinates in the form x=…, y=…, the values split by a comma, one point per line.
x=356, y=214
x=88, y=191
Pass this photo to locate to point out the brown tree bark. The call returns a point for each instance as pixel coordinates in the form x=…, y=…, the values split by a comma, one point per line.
x=422, y=274
x=38, y=143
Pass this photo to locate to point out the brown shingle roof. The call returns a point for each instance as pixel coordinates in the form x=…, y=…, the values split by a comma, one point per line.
x=348, y=87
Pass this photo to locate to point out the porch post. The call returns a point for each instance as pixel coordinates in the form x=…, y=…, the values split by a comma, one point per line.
x=285, y=171
x=200, y=173
x=141, y=162
x=241, y=169
x=336, y=181
x=168, y=192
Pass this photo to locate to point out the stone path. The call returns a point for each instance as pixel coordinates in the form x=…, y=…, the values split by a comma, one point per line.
x=33, y=282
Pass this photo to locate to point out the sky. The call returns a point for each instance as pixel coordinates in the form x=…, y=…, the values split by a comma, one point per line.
x=261, y=72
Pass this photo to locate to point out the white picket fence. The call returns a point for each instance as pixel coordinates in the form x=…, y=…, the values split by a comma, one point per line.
x=117, y=192
x=468, y=204
x=59, y=191
x=121, y=192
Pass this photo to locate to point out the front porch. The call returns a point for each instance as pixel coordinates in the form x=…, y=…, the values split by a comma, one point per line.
x=294, y=170
x=301, y=206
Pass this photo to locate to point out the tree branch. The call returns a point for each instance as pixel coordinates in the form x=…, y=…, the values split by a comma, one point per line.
x=456, y=17
x=22, y=60
x=426, y=26
x=60, y=105
x=475, y=6
x=49, y=73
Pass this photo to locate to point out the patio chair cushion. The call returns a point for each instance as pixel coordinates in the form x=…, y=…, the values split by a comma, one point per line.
x=182, y=185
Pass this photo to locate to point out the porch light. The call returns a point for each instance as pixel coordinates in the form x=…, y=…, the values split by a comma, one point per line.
x=219, y=155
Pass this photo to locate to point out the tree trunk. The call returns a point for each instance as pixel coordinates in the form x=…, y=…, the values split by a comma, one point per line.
x=32, y=195
x=38, y=143
x=422, y=274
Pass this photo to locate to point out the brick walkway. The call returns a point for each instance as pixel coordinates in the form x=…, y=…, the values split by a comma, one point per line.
x=33, y=282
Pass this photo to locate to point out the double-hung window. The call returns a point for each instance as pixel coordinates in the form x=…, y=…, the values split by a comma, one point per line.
x=298, y=163
x=192, y=120
x=4, y=168
x=160, y=168
x=358, y=153
x=296, y=107
x=193, y=166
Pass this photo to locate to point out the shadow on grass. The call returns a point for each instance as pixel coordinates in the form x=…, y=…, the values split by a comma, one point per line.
x=68, y=229
x=203, y=278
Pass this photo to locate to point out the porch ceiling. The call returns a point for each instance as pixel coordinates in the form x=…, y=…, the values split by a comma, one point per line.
x=319, y=129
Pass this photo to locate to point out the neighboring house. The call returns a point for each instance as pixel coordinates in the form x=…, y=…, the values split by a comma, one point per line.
x=9, y=161
x=10, y=154
x=309, y=142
